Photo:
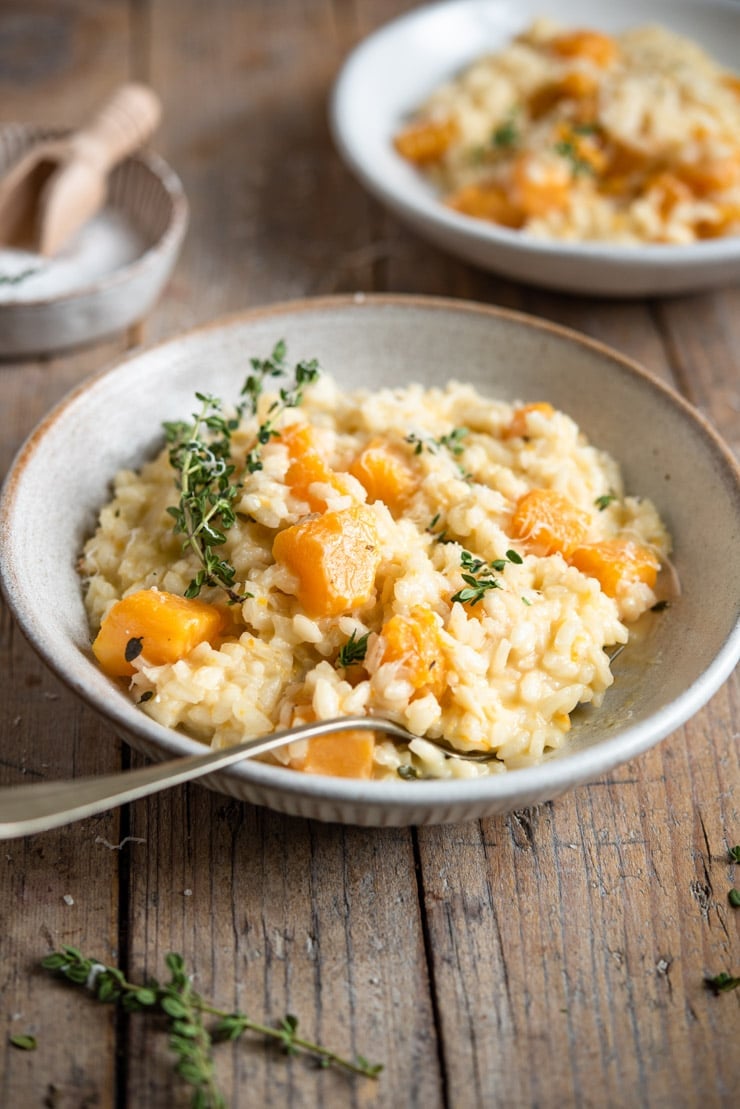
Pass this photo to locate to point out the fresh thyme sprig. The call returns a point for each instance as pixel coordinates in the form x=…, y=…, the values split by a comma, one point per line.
x=452, y=441
x=478, y=577
x=306, y=372
x=206, y=507
x=200, y=452
x=354, y=650
x=190, y=1040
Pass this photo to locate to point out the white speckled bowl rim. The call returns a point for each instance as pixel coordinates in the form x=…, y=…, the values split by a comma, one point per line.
x=374, y=326
x=436, y=39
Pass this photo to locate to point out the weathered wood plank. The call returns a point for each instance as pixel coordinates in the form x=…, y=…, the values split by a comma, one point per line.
x=554, y=956
x=56, y=63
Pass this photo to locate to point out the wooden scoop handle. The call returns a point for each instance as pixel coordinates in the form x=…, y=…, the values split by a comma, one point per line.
x=122, y=125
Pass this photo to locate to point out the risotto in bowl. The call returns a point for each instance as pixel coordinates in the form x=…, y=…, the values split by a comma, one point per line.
x=587, y=147
x=474, y=524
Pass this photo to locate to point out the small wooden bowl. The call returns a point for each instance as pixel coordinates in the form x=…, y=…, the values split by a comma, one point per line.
x=148, y=194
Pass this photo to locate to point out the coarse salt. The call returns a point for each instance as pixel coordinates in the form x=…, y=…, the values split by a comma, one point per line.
x=104, y=245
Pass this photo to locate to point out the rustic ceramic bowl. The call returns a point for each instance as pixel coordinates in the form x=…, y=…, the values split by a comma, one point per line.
x=146, y=194
x=667, y=451
x=393, y=71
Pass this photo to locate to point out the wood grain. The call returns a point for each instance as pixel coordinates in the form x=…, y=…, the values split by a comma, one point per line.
x=555, y=956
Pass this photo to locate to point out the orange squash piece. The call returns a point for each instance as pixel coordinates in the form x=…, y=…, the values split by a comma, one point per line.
x=576, y=86
x=616, y=563
x=486, y=201
x=297, y=438
x=334, y=557
x=161, y=627
x=668, y=190
x=593, y=46
x=305, y=471
x=537, y=189
x=307, y=466
x=548, y=522
x=342, y=755
x=717, y=175
x=519, y=425
x=384, y=474
x=426, y=141
x=414, y=641
x=728, y=220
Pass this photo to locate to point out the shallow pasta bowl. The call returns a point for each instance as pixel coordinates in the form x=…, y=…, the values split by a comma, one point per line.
x=395, y=69
x=667, y=453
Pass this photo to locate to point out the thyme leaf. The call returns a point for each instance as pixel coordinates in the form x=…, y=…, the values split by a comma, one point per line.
x=722, y=983
x=567, y=149
x=478, y=578
x=354, y=650
x=505, y=135
x=604, y=501
x=24, y=1042
x=189, y=1040
x=452, y=440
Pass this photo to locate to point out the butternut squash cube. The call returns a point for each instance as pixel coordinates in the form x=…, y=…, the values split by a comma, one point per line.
x=548, y=522
x=334, y=557
x=384, y=474
x=342, y=755
x=519, y=426
x=161, y=627
x=426, y=141
x=616, y=563
x=414, y=641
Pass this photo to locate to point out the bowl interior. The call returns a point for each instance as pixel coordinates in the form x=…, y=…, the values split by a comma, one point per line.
x=667, y=453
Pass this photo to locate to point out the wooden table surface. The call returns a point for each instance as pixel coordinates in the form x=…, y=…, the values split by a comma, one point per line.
x=552, y=957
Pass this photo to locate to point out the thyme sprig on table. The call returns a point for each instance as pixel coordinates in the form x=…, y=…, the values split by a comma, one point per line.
x=185, y=1010
x=200, y=452
x=476, y=573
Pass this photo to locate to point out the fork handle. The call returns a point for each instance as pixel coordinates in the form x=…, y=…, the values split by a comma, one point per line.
x=26, y=809
x=123, y=124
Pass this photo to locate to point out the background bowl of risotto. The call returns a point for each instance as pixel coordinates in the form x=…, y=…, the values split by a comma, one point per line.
x=666, y=451
x=598, y=208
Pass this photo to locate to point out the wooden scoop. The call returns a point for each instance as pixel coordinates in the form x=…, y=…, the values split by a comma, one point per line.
x=61, y=183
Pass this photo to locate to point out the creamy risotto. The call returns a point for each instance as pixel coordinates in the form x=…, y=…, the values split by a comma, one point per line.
x=457, y=564
x=578, y=135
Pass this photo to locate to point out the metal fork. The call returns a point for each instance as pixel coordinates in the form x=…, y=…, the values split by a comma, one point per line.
x=41, y=806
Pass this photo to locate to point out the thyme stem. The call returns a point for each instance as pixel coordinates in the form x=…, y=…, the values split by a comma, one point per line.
x=189, y=1039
